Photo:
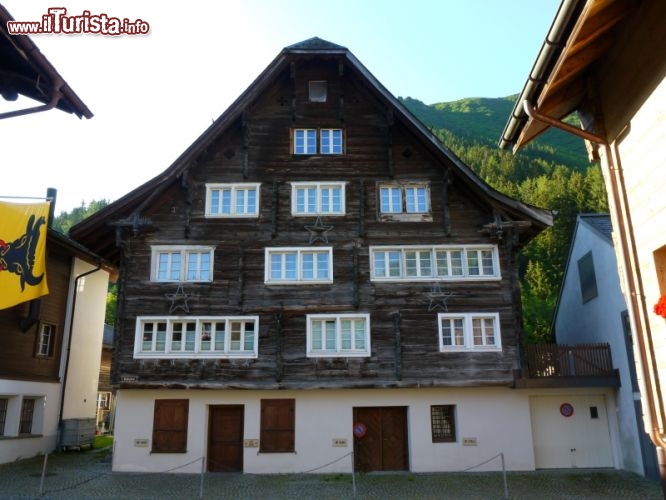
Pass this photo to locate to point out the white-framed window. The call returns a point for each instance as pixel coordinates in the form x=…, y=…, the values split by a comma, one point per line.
x=305, y=141
x=469, y=331
x=292, y=265
x=196, y=337
x=232, y=200
x=182, y=263
x=45, y=339
x=317, y=90
x=338, y=335
x=437, y=262
x=317, y=198
x=404, y=198
x=331, y=141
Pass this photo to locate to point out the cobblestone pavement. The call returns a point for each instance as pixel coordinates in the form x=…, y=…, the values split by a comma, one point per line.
x=87, y=474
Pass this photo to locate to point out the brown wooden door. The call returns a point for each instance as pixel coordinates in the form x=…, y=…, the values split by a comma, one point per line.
x=384, y=445
x=225, y=438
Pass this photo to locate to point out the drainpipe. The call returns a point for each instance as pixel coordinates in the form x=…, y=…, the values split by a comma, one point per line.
x=634, y=283
x=69, y=346
x=56, y=95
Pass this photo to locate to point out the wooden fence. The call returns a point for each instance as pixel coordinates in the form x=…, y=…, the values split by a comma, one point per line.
x=580, y=360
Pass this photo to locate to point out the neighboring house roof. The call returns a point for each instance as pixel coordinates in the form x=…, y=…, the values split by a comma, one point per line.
x=96, y=232
x=582, y=32
x=76, y=249
x=601, y=223
x=25, y=70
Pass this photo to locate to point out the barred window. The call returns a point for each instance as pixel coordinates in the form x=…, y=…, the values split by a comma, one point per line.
x=442, y=421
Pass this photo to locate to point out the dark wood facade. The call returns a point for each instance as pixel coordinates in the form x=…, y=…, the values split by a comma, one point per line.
x=252, y=142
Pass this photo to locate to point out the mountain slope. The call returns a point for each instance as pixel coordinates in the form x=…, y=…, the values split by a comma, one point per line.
x=482, y=120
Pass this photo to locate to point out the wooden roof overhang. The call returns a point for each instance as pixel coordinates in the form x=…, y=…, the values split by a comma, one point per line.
x=25, y=70
x=98, y=231
x=581, y=34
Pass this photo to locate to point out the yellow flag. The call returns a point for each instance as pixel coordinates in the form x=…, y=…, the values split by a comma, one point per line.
x=22, y=252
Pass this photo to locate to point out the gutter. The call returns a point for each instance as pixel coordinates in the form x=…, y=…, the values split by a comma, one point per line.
x=56, y=95
x=551, y=47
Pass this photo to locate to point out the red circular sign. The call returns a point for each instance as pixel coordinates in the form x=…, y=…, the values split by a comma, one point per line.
x=360, y=429
x=566, y=409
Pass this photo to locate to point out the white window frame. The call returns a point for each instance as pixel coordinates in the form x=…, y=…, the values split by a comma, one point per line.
x=184, y=251
x=467, y=342
x=330, y=148
x=299, y=253
x=319, y=188
x=403, y=188
x=45, y=338
x=317, y=148
x=417, y=272
x=308, y=149
x=234, y=190
x=171, y=349
x=338, y=350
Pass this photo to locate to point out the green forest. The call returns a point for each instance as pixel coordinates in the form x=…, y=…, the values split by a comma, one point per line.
x=553, y=173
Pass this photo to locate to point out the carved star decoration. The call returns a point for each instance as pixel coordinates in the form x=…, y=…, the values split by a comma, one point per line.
x=438, y=298
x=179, y=300
x=318, y=231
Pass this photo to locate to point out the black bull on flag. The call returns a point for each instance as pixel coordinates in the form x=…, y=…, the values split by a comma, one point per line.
x=18, y=256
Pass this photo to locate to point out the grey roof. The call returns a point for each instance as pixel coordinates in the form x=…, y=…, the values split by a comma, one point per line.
x=600, y=222
x=315, y=43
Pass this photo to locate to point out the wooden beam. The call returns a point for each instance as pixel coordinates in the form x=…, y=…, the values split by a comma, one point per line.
x=446, y=215
x=398, y=346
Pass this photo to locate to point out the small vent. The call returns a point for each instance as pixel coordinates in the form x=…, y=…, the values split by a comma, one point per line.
x=317, y=90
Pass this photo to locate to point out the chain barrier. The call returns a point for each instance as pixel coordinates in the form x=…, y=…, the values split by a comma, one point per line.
x=504, y=478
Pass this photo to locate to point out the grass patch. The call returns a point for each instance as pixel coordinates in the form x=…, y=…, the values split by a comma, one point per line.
x=102, y=442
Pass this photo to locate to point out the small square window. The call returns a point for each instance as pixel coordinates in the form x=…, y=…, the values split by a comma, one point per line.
x=443, y=423
x=317, y=90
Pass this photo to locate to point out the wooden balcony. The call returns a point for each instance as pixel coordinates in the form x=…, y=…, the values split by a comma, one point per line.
x=559, y=365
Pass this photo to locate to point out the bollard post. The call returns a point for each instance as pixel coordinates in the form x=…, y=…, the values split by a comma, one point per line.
x=506, y=484
x=353, y=474
x=41, y=481
x=203, y=471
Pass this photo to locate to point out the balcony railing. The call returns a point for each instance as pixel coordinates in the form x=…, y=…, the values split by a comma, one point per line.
x=580, y=360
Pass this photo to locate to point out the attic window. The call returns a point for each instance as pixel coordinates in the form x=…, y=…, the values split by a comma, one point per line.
x=317, y=90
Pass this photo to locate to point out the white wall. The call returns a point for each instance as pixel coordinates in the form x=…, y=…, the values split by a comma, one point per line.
x=86, y=344
x=599, y=320
x=45, y=419
x=498, y=418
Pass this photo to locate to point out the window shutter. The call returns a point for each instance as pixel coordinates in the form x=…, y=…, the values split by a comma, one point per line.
x=277, y=425
x=170, y=426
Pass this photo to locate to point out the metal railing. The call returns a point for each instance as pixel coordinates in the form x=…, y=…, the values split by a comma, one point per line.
x=579, y=360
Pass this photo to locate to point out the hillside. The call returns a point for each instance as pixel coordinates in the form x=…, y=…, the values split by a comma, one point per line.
x=483, y=120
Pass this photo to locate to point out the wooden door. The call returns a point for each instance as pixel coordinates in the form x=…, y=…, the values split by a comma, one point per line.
x=225, y=438
x=384, y=445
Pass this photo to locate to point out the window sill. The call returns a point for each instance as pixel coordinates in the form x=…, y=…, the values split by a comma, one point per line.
x=21, y=436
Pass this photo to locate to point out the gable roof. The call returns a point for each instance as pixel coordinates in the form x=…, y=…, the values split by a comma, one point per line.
x=25, y=70
x=96, y=232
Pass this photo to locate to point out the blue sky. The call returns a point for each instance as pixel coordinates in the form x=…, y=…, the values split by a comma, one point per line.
x=153, y=95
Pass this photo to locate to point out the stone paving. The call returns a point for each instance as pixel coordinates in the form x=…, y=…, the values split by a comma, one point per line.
x=87, y=474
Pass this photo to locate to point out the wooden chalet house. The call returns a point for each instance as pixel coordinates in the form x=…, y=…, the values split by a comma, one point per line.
x=315, y=275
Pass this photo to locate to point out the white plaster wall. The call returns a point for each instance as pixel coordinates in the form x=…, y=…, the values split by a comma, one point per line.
x=45, y=423
x=86, y=345
x=498, y=418
x=643, y=158
x=599, y=320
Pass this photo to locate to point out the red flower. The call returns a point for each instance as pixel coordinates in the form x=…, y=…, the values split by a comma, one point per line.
x=660, y=307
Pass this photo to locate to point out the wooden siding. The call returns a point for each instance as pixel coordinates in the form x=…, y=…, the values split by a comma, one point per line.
x=17, y=356
x=404, y=335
